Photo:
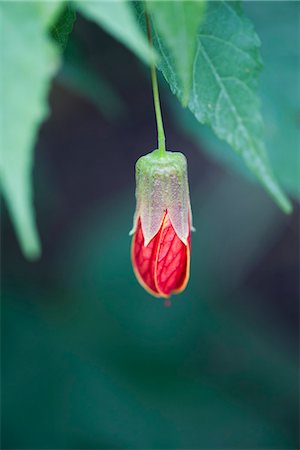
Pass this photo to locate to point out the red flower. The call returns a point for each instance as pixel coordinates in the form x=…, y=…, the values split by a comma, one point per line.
x=161, y=231
x=163, y=266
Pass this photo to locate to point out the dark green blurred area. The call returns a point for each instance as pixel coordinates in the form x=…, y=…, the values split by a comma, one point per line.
x=92, y=361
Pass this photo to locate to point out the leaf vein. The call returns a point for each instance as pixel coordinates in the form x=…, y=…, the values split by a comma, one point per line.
x=226, y=94
x=228, y=43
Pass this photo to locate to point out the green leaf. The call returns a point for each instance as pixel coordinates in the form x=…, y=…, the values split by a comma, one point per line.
x=225, y=73
x=178, y=22
x=63, y=26
x=280, y=106
x=29, y=60
x=279, y=82
x=47, y=12
x=118, y=19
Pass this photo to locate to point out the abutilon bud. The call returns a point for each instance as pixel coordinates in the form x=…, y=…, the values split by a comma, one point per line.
x=161, y=242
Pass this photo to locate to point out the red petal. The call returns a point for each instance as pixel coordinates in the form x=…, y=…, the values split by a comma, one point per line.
x=173, y=260
x=143, y=259
x=163, y=266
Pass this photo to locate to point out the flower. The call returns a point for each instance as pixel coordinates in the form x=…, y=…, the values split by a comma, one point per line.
x=161, y=242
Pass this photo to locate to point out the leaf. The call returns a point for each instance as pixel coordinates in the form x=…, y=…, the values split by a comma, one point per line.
x=278, y=87
x=29, y=60
x=118, y=19
x=48, y=12
x=280, y=107
x=178, y=22
x=225, y=73
x=63, y=26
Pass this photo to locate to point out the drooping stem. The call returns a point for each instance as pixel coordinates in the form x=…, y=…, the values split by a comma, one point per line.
x=159, y=121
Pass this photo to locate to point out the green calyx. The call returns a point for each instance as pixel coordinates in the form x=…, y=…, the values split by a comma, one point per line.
x=159, y=163
x=162, y=186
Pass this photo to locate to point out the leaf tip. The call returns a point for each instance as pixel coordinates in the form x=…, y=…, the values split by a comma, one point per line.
x=287, y=206
x=31, y=249
x=185, y=97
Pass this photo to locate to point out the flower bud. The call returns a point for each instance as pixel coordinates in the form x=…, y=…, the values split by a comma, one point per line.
x=162, y=223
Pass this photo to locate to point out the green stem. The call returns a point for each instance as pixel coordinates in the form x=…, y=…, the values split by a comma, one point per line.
x=159, y=121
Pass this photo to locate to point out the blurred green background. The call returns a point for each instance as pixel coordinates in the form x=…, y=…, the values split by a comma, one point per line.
x=92, y=361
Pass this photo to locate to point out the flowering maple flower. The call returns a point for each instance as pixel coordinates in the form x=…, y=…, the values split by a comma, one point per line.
x=161, y=242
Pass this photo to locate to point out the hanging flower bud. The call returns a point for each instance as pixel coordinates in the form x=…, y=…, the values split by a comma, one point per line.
x=161, y=231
